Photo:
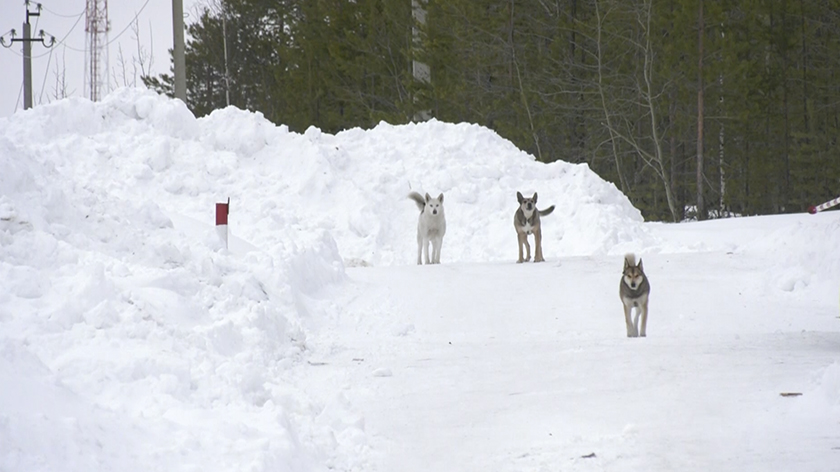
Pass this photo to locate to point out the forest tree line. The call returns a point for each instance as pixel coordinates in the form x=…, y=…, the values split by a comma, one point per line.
x=693, y=109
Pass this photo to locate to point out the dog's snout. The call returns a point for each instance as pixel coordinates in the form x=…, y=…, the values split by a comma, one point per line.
x=434, y=212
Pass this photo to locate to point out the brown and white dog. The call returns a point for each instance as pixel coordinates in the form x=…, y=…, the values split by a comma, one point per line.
x=526, y=220
x=634, y=291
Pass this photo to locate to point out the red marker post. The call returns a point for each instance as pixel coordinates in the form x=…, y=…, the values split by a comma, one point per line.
x=824, y=206
x=222, y=212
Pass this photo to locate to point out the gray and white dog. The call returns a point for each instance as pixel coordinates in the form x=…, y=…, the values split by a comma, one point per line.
x=526, y=220
x=634, y=290
x=431, y=226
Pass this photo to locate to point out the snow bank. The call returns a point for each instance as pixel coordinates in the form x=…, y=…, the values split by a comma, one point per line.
x=804, y=253
x=125, y=332
x=290, y=187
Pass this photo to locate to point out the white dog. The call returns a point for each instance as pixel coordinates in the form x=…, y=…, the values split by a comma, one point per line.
x=430, y=227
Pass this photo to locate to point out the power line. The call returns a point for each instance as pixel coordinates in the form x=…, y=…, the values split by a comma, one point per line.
x=20, y=92
x=115, y=37
x=129, y=23
x=44, y=83
x=59, y=14
x=61, y=42
x=79, y=18
x=27, y=41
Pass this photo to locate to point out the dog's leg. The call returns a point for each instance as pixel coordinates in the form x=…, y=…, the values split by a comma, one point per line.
x=437, y=242
x=636, y=320
x=426, y=250
x=538, y=257
x=419, y=250
x=521, y=239
x=644, y=310
x=527, y=248
x=631, y=330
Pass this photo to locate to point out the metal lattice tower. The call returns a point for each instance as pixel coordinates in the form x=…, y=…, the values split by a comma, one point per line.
x=96, y=47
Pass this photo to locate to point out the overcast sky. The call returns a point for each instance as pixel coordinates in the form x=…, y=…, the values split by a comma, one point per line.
x=65, y=19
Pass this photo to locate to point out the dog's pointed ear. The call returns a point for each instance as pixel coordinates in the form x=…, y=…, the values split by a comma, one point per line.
x=440, y=197
x=640, y=265
x=626, y=264
x=535, y=197
x=428, y=197
x=519, y=197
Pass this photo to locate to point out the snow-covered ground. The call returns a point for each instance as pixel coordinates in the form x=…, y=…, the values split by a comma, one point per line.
x=132, y=340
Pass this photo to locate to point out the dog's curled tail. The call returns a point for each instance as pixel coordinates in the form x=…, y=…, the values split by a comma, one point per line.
x=630, y=259
x=547, y=211
x=419, y=200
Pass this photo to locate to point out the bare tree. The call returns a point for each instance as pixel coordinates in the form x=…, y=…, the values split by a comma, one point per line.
x=521, y=87
x=121, y=66
x=60, y=87
x=621, y=122
x=140, y=65
x=601, y=93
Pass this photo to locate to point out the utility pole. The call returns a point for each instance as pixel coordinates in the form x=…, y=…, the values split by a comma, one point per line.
x=178, y=50
x=27, y=41
x=227, y=74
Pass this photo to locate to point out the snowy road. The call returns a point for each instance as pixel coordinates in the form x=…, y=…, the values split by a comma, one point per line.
x=506, y=367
